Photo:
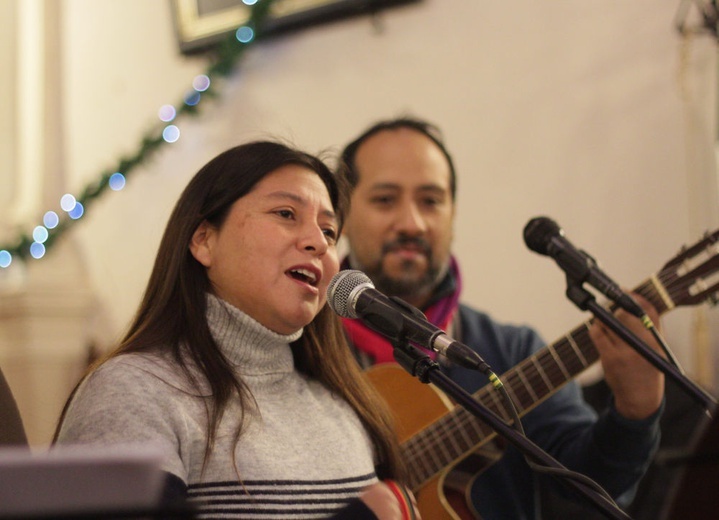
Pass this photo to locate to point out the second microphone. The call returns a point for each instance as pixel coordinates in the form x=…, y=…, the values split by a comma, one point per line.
x=351, y=294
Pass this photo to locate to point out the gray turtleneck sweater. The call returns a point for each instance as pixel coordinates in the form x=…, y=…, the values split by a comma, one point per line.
x=305, y=455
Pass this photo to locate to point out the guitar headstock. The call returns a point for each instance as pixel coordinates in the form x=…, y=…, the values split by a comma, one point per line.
x=692, y=276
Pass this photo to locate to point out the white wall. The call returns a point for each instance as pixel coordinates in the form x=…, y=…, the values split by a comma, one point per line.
x=595, y=113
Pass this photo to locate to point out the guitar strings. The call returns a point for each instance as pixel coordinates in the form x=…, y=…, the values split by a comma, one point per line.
x=531, y=381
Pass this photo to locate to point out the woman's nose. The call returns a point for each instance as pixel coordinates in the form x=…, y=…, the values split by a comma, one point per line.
x=314, y=239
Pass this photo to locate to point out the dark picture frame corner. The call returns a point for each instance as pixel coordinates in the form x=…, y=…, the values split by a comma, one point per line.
x=201, y=24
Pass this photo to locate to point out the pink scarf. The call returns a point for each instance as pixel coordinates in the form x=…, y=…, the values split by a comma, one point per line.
x=440, y=313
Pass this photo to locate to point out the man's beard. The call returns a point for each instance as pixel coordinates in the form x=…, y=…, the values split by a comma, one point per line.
x=409, y=285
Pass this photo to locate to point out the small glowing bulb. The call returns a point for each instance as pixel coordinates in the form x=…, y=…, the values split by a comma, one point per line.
x=116, y=181
x=245, y=34
x=67, y=202
x=40, y=234
x=201, y=83
x=171, y=133
x=37, y=250
x=5, y=259
x=192, y=98
x=167, y=113
x=51, y=220
x=76, y=212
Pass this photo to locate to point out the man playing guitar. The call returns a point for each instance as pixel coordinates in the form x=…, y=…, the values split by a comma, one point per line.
x=399, y=231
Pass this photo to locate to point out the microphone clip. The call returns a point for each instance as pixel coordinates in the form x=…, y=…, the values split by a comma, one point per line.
x=413, y=360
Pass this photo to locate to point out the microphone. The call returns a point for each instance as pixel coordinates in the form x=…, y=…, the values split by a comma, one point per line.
x=544, y=236
x=351, y=294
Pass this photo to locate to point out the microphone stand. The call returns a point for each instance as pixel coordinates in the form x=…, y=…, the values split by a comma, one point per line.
x=586, y=301
x=427, y=370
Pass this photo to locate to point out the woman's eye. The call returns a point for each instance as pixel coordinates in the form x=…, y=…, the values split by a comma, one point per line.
x=285, y=213
x=331, y=235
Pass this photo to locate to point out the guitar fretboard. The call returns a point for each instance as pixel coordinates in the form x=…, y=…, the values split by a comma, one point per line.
x=530, y=382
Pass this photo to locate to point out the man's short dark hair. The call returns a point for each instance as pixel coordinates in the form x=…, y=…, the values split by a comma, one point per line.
x=347, y=168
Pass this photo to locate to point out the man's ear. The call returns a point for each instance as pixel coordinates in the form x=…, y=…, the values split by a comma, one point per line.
x=200, y=244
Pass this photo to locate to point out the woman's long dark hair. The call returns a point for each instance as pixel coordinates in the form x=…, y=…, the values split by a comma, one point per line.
x=171, y=315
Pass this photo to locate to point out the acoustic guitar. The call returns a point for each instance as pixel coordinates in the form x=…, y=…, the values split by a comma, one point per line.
x=442, y=443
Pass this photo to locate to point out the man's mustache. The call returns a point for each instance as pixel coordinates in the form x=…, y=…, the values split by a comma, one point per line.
x=402, y=242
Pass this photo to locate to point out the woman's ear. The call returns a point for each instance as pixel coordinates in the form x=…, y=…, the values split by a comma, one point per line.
x=201, y=243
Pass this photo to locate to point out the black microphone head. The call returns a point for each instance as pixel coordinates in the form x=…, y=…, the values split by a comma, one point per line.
x=539, y=232
x=342, y=289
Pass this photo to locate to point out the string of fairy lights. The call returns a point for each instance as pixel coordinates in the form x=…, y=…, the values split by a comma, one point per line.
x=55, y=223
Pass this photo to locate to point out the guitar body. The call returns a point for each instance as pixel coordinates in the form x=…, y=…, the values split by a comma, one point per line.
x=445, y=447
x=416, y=406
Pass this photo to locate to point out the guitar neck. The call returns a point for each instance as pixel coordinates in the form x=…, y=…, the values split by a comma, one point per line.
x=528, y=383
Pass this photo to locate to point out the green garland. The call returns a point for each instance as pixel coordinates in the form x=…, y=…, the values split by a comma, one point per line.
x=222, y=63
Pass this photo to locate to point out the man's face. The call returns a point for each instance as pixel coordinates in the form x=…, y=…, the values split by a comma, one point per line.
x=400, y=223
